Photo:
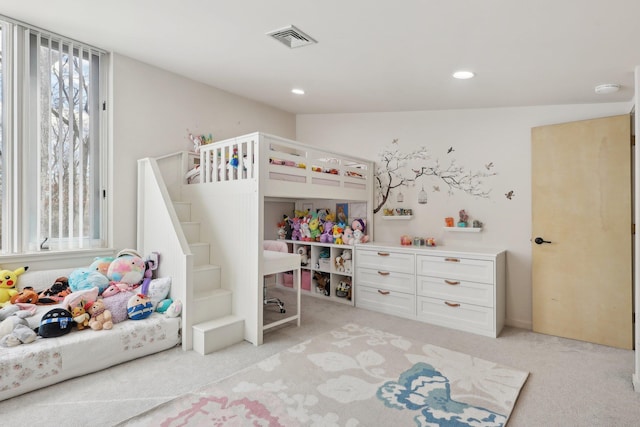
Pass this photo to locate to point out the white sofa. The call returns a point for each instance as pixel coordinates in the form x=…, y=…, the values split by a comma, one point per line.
x=48, y=361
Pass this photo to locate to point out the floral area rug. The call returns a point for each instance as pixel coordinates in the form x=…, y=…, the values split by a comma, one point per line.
x=352, y=376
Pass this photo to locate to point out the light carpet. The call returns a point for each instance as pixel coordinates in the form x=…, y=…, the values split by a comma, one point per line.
x=352, y=376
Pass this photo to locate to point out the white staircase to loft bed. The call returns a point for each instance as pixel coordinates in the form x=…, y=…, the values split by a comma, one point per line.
x=165, y=224
x=227, y=204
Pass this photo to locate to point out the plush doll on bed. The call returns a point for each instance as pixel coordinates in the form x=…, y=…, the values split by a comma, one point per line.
x=100, y=316
x=8, y=282
x=127, y=267
x=139, y=307
x=14, y=329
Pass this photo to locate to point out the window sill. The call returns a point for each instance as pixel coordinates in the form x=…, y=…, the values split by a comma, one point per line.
x=51, y=259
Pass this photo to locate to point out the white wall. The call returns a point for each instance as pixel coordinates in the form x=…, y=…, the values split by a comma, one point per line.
x=151, y=112
x=478, y=137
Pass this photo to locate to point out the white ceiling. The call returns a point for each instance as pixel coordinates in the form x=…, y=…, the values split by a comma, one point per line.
x=372, y=55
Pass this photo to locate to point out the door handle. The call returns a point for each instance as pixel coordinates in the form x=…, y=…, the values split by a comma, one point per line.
x=540, y=240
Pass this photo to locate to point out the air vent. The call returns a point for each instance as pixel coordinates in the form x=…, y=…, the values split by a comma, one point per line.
x=291, y=37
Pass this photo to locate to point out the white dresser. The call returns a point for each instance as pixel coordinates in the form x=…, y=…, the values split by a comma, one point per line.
x=457, y=287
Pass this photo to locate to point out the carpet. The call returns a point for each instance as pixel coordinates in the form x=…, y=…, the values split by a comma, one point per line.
x=352, y=376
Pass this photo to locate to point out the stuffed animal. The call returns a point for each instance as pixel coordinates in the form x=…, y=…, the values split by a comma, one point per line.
x=56, y=293
x=322, y=283
x=139, y=307
x=85, y=278
x=127, y=268
x=305, y=231
x=304, y=256
x=14, y=329
x=55, y=323
x=314, y=228
x=347, y=235
x=346, y=259
x=174, y=309
x=27, y=296
x=360, y=224
x=337, y=235
x=100, y=316
x=295, y=228
x=339, y=264
x=343, y=290
x=101, y=264
x=327, y=232
x=80, y=316
x=8, y=282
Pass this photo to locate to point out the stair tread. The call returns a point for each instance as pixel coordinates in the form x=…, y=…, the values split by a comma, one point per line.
x=215, y=323
x=206, y=267
x=207, y=293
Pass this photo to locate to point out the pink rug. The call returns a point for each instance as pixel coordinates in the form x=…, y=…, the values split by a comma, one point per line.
x=352, y=376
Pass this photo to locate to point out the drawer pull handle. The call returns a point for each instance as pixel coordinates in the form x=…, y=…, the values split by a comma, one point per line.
x=383, y=273
x=452, y=260
x=383, y=253
x=451, y=282
x=450, y=304
x=381, y=292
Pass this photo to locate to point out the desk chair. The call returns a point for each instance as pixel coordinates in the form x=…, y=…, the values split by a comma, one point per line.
x=277, y=246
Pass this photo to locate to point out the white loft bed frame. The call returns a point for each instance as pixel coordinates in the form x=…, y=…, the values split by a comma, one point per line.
x=229, y=202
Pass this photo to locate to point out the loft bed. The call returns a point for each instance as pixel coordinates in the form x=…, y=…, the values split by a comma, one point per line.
x=229, y=185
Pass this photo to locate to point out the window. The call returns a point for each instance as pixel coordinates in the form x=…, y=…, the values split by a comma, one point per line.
x=51, y=150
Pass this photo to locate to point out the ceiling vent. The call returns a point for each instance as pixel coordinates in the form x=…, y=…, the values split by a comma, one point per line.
x=292, y=37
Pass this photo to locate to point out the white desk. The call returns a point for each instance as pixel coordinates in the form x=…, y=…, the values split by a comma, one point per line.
x=280, y=262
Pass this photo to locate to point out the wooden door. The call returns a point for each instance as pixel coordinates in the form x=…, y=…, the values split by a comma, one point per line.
x=581, y=204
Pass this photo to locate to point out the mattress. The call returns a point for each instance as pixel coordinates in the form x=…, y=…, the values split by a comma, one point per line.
x=48, y=361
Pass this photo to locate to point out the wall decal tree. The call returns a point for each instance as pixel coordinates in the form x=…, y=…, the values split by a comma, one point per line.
x=395, y=170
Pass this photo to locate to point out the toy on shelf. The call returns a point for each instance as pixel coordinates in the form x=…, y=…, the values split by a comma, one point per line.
x=303, y=251
x=359, y=227
x=343, y=290
x=343, y=262
x=463, y=218
x=327, y=232
x=323, y=283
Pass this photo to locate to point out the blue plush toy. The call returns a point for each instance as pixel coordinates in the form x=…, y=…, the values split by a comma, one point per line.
x=139, y=307
x=86, y=278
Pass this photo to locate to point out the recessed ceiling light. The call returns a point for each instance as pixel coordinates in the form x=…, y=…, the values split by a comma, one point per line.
x=297, y=91
x=607, y=88
x=463, y=75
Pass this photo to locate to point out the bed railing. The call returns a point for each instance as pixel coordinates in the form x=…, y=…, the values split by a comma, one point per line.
x=248, y=156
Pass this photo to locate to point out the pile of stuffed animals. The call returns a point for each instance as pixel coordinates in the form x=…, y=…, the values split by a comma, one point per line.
x=322, y=226
x=110, y=290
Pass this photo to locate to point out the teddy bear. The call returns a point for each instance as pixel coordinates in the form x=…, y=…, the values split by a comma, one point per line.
x=8, y=281
x=100, y=316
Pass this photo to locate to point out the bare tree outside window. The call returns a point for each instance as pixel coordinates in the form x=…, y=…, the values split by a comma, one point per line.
x=67, y=193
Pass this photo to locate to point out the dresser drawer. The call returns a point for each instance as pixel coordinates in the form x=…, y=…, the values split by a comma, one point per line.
x=385, y=280
x=385, y=301
x=465, y=317
x=385, y=260
x=455, y=290
x=473, y=270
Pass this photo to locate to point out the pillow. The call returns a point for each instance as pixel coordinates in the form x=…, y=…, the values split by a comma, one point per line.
x=117, y=305
x=75, y=298
x=158, y=290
